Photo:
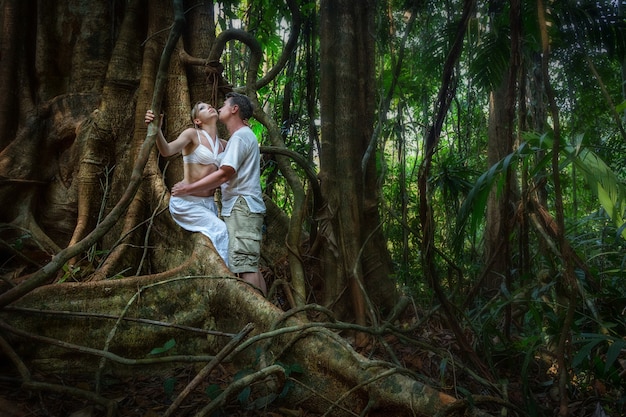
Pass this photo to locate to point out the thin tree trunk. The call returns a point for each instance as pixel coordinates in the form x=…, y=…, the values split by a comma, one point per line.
x=568, y=282
x=446, y=93
x=500, y=207
x=13, y=11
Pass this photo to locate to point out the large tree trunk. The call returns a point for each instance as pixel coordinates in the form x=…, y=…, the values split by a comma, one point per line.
x=355, y=257
x=501, y=200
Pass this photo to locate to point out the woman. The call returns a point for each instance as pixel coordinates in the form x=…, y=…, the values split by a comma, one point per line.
x=200, y=148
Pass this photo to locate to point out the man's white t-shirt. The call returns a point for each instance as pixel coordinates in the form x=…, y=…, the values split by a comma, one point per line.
x=242, y=154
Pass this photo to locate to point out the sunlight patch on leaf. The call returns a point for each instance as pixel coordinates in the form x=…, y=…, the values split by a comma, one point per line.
x=601, y=179
x=605, y=184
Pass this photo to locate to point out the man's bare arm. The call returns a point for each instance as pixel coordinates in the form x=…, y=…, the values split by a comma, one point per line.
x=209, y=182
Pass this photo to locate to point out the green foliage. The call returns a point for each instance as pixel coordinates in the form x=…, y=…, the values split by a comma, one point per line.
x=245, y=396
x=168, y=387
x=69, y=271
x=601, y=180
x=452, y=178
x=165, y=348
x=594, y=24
x=289, y=370
x=592, y=171
x=169, y=384
x=472, y=210
x=605, y=185
x=592, y=347
x=490, y=60
x=213, y=391
x=18, y=243
x=538, y=316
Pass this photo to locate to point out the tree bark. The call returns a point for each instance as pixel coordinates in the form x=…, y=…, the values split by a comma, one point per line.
x=354, y=257
x=500, y=206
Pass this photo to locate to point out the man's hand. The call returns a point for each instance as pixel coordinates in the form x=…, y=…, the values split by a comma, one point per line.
x=179, y=189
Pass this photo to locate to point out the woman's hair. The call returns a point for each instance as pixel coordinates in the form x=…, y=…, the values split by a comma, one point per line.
x=194, y=112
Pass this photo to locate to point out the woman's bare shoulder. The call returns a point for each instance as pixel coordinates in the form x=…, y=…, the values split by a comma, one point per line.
x=190, y=134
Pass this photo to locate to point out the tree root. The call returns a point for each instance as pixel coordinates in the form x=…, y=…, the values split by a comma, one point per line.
x=241, y=384
x=334, y=374
x=208, y=368
x=29, y=384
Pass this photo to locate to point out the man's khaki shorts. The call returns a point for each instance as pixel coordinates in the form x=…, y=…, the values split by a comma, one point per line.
x=245, y=232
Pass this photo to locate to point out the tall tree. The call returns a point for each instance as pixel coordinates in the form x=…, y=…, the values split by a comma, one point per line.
x=355, y=257
x=500, y=208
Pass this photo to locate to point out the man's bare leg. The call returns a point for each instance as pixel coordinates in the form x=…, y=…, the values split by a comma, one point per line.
x=256, y=279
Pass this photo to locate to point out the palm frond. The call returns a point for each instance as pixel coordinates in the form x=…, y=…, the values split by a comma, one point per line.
x=605, y=185
x=598, y=24
x=491, y=59
x=472, y=210
x=602, y=181
x=600, y=178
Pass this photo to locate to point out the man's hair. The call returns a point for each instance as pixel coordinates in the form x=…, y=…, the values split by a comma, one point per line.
x=243, y=102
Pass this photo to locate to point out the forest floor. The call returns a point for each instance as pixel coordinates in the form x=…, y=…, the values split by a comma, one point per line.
x=146, y=396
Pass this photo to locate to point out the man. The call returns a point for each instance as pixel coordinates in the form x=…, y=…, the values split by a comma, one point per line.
x=239, y=175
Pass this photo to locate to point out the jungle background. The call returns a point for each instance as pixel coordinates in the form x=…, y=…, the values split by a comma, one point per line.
x=445, y=227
